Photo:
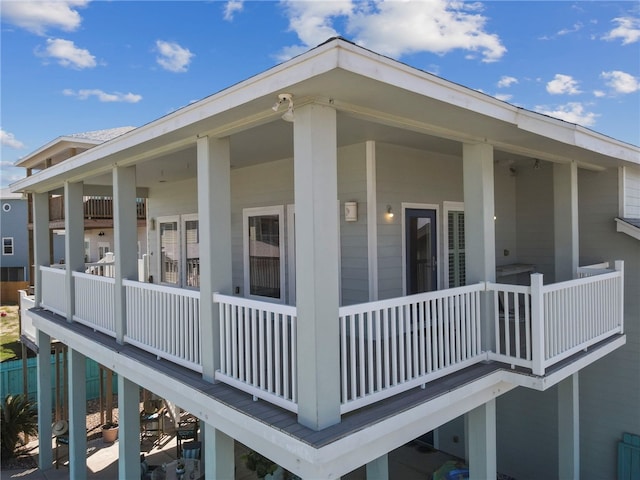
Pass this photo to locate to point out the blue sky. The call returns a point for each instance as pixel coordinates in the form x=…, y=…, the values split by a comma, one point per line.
x=70, y=66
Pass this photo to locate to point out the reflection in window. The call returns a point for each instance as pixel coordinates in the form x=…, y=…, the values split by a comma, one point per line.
x=264, y=255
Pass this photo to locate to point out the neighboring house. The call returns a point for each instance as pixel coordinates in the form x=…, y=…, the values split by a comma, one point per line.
x=14, y=260
x=96, y=202
x=465, y=291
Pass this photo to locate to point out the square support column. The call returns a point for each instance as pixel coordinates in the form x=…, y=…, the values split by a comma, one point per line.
x=45, y=451
x=74, y=239
x=125, y=240
x=219, y=461
x=569, y=428
x=129, y=428
x=479, y=226
x=481, y=438
x=77, y=415
x=41, y=246
x=214, y=217
x=317, y=255
x=379, y=468
x=565, y=220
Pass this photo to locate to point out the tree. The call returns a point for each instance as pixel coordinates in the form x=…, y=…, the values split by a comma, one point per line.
x=18, y=415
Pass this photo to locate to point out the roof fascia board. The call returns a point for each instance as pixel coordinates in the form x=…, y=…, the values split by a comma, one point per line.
x=58, y=142
x=626, y=227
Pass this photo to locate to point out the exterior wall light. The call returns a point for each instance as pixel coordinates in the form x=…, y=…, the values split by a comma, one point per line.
x=389, y=212
x=350, y=211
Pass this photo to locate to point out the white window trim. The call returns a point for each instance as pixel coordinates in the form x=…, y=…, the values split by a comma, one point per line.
x=422, y=206
x=13, y=246
x=258, y=211
x=446, y=208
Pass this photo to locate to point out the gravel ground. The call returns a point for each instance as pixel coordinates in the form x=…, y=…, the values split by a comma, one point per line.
x=24, y=458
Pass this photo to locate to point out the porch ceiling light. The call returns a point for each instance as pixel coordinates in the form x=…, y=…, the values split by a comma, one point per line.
x=282, y=98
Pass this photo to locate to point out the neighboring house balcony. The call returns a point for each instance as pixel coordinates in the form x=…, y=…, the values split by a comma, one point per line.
x=98, y=211
x=386, y=347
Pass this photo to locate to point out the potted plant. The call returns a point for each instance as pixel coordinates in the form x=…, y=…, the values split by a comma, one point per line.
x=109, y=432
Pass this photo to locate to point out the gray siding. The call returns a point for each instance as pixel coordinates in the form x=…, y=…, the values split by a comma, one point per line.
x=632, y=192
x=534, y=221
x=527, y=434
x=409, y=176
x=610, y=388
x=13, y=224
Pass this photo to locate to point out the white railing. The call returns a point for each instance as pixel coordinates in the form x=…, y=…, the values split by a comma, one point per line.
x=54, y=290
x=512, y=309
x=164, y=321
x=258, y=349
x=390, y=346
x=580, y=313
x=26, y=322
x=538, y=326
x=88, y=309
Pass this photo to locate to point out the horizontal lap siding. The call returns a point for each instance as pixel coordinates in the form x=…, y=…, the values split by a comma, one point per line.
x=409, y=176
x=609, y=388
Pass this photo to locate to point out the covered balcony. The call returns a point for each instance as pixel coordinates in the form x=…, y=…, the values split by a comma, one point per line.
x=386, y=347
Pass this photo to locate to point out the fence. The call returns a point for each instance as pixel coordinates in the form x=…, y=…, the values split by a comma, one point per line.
x=11, y=379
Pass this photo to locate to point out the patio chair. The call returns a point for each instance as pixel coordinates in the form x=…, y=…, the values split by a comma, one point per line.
x=152, y=420
x=191, y=450
x=60, y=431
x=187, y=430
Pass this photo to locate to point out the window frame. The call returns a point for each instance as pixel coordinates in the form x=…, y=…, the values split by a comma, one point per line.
x=12, y=246
x=258, y=212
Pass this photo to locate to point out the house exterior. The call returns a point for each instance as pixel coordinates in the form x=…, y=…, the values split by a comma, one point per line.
x=97, y=204
x=13, y=258
x=346, y=253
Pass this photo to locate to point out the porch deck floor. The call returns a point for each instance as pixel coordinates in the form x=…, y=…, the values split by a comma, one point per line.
x=277, y=417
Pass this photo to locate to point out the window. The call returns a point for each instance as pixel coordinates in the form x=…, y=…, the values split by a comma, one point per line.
x=103, y=249
x=264, y=252
x=180, y=250
x=192, y=250
x=455, y=246
x=169, y=252
x=7, y=245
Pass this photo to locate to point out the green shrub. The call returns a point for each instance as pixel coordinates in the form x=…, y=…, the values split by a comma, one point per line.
x=18, y=415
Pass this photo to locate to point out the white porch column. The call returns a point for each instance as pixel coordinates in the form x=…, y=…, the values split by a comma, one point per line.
x=218, y=453
x=125, y=224
x=565, y=220
x=481, y=438
x=214, y=217
x=41, y=247
x=317, y=251
x=45, y=451
x=74, y=238
x=479, y=229
x=569, y=428
x=379, y=468
x=78, y=415
x=129, y=428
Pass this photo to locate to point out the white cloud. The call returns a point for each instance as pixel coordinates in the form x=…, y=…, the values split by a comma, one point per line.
x=621, y=82
x=395, y=28
x=573, y=112
x=563, y=84
x=628, y=30
x=38, y=16
x=102, y=96
x=9, y=140
x=231, y=8
x=506, y=81
x=172, y=56
x=599, y=93
x=68, y=55
x=576, y=27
